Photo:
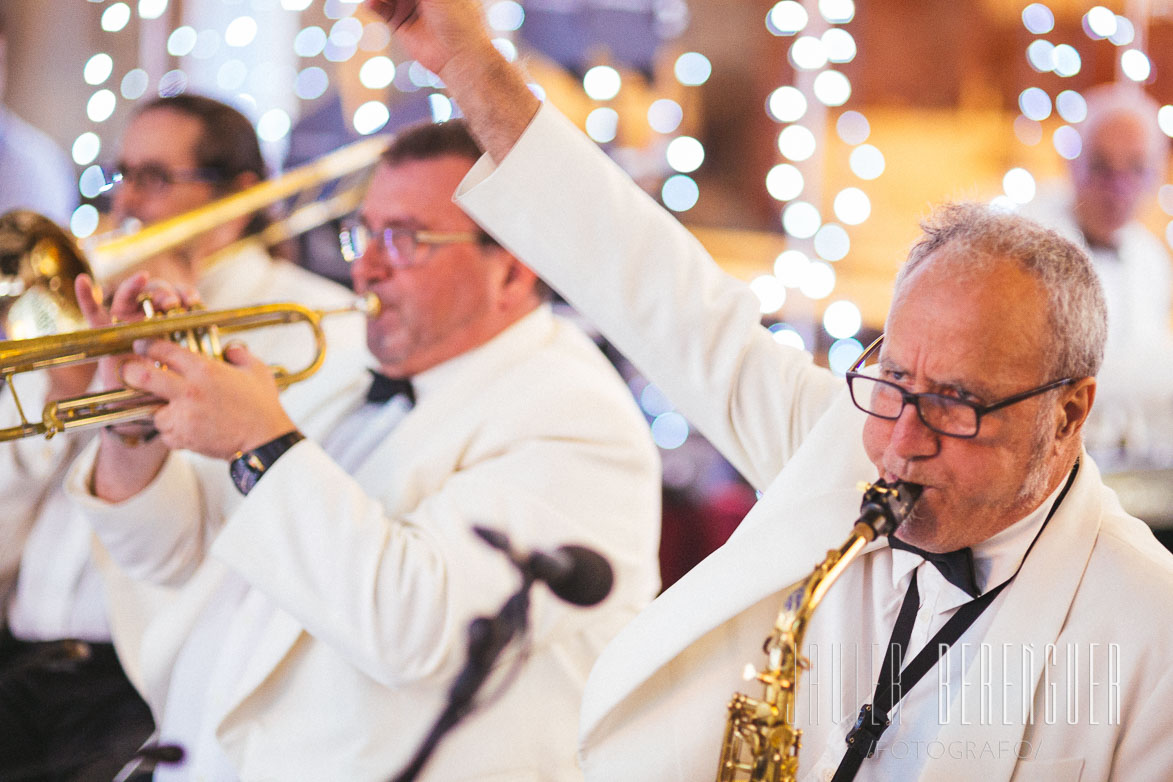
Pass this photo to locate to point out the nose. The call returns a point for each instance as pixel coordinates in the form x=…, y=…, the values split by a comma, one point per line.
x=125, y=200
x=370, y=267
x=910, y=438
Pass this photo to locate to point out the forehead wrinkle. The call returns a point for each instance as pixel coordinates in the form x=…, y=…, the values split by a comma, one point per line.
x=975, y=388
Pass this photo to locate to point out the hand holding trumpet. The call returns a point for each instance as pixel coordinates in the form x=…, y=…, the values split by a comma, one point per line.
x=212, y=407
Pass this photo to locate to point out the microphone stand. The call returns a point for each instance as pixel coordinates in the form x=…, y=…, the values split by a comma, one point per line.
x=487, y=638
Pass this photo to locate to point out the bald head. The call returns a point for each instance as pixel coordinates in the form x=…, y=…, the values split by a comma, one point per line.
x=1124, y=154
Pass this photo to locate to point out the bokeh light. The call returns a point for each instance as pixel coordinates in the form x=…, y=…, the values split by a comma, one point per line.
x=832, y=88
x=801, y=219
x=115, y=17
x=505, y=15
x=770, y=292
x=842, y=319
x=818, y=280
x=832, y=242
x=680, y=193
x=151, y=9
x=786, y=104
x=1071, y=106
x=837, y=11
x=98, y=68
x=786, y=18
x=101, y=105
x=181, y=41
x=86, y=148
x=1135, y=65
x=1067, y=142
x=309, y=42
x=685, y=154
x=84, y=221
x=866, y=161
x=842, y=354
x=241, y=31
x=784, y=182
x=839, y=45
x=1019, y=185
x=808, y=53
x=377, y=73
x=370, y=117
x=602, y=125
x=1038, y=19
x=790, y=267
x=693, y=69
x=311, y=83
x=853, y=128
x=669, y=430
x=602, y=82
x=1035, y=104
x=796, y=142
x=664, y=115
x=852, y=206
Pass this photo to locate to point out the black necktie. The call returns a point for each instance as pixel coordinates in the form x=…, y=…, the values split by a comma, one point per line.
x=955, y=566
x=384, y=389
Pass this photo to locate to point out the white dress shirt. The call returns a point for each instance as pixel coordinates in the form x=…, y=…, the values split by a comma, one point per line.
x=916, y=718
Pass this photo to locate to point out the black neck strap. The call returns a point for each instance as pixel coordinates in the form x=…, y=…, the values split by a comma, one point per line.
x=895, y=680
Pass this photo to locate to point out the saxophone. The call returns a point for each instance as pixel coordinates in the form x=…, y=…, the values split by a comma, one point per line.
x=761, y=743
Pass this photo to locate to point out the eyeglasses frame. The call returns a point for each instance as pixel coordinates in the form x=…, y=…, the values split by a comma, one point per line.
x=419, y=238
x=910, y=397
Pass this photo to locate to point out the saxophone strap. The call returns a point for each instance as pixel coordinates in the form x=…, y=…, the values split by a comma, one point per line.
x=894, y=680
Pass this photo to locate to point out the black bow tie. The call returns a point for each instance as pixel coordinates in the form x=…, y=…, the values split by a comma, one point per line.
x=955, y=566
x=384, y=389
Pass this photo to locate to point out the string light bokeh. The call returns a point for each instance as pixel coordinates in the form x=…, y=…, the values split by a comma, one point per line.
x=820, y=42
x=1037, y=105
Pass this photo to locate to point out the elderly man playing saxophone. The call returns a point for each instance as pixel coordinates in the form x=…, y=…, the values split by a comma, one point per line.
x=1058, y=666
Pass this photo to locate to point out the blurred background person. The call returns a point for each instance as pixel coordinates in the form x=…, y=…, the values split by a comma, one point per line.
x=1124, y=158
x=84, y=717
x=34, y=172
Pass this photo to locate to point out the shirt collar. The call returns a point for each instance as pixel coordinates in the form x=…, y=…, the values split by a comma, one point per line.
x=995, y=559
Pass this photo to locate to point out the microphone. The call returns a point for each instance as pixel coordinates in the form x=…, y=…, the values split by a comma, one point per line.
x=148, y=758
x=576, y=574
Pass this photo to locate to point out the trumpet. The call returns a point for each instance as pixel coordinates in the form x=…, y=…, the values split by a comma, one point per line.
x=200, y=331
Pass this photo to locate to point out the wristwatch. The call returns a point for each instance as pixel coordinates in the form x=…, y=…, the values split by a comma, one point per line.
x=247, y=467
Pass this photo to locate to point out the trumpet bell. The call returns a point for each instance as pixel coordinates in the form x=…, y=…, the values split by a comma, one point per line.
x=38, y=263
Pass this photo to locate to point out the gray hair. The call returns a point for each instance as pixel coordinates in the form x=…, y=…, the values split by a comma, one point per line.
x=976, y=237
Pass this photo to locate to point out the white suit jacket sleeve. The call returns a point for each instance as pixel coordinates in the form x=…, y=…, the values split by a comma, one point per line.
x=29, y=469
x=394, y=589
x=567, y=211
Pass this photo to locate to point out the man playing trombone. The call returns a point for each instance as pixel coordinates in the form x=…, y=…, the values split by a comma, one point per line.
x=82, y=715
x=321, y=561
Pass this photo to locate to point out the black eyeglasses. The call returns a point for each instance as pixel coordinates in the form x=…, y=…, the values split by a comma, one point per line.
x=400, y=245
x=944, y=414
x=154, y=179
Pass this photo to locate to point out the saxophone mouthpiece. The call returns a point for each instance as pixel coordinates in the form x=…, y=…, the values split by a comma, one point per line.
x=885, y=506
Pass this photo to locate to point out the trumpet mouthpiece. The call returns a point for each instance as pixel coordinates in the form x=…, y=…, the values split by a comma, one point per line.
x=369, y=304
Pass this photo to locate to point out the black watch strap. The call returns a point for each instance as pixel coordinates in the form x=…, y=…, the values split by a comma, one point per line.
x=247, y=467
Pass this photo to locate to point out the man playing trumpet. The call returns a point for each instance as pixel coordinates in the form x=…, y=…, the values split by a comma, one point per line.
x=83, y=716
x=320, y=559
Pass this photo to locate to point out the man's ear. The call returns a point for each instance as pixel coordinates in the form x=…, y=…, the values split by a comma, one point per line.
x=1076, y=404
x=520, y=281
